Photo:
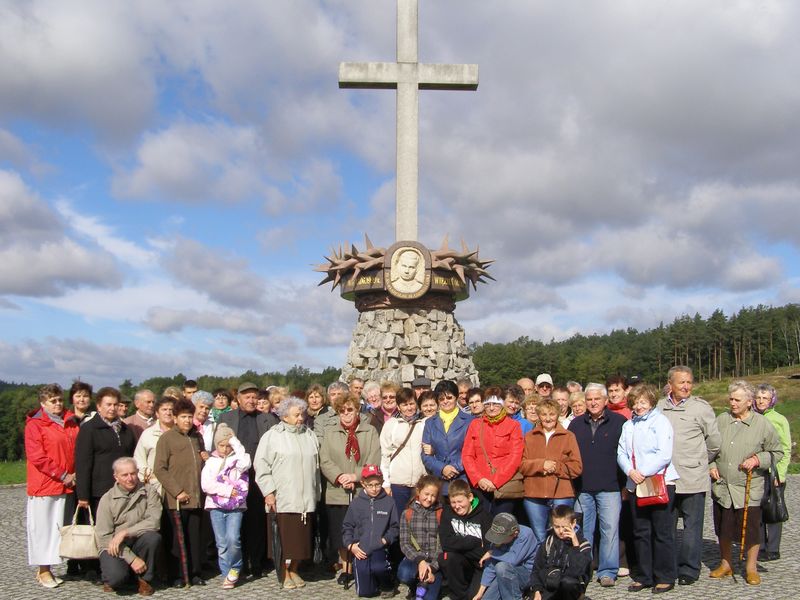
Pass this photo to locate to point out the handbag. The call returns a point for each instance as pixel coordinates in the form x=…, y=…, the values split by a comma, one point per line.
x=773, y=505
x=514, y=488
x=653, y=490
x=78, y=541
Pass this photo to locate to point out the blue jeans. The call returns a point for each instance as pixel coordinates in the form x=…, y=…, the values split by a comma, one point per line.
x=227, y=526
x=606, y=507
x=538, y=510
x=401, y=495
x=508, y=583
x=691, y=507
x=407, y=573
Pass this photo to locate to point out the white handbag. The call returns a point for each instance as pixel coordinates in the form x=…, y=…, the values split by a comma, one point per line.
x=78, y=541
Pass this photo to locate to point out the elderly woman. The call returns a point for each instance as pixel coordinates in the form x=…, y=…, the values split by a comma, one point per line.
x=348, y=445
x=764, y=404
x=287, y=473
x=401, y=461
x=145, y=453
x=80, y=397
x=50, y=434
x=475, y=401
x=529, y=410
x=178, y=466
x=317, y=404
x=203, y=401
x=492, y=453
x=645, y=449
x=222, y=404
x=550, y=463
x=443, y=436
x=577, y=405
x=749, y=445
x=372, y=395
x=388, y=407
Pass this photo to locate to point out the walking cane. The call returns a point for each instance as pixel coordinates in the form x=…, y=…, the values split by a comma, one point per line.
x=744, y=514
x=350, y=557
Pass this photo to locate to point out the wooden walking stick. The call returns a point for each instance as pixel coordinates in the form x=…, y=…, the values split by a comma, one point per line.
x=744, y=514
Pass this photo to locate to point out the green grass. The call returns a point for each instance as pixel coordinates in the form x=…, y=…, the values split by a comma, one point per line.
x=716, y=393
x=12, y=472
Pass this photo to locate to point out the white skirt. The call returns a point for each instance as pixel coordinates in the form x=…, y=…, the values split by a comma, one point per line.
x=45, y=518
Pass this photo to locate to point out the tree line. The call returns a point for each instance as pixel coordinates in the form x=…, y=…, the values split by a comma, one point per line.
x=750, y=342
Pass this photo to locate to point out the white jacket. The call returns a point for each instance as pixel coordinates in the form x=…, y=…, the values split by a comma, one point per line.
x=216, y=464
x=407, y=467
x=287, y=464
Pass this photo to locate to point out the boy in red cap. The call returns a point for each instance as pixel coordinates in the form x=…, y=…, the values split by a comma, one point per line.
x=369, y=527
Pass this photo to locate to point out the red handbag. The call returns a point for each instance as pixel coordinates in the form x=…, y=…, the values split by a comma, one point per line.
x=653, y=490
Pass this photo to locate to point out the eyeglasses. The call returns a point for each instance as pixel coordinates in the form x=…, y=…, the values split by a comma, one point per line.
x=54, y=401
x=373, y=485
x=389, y=396
x=544, y=385
x=346, y=410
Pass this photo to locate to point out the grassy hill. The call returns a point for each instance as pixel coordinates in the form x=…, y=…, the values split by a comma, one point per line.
x=716, y=392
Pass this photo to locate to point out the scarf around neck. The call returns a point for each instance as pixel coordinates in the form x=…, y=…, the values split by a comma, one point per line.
x=351, y=449
x=500, y=416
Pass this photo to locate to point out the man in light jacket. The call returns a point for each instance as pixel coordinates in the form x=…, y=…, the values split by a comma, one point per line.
x=696, y=443
x=128, y=519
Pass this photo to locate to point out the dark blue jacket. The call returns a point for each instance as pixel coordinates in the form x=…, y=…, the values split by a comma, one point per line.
x=446, y=446
x=599, y=452
x=370, y=519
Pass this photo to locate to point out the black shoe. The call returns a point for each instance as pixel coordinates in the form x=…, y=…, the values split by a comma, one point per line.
x=661, y=590
x=685, y=580
x=637, y=587
x=178, y=583
x=196, y=580
x=344, y=578
x=773, y=556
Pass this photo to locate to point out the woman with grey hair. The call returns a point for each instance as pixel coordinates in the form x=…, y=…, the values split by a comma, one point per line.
x=287, y=473
x=749, y=445
x=764, y=404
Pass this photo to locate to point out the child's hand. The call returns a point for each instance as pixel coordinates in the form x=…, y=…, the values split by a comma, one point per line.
x=357, y=551
x=484, y=558
x=537, y=596
x=424, y=572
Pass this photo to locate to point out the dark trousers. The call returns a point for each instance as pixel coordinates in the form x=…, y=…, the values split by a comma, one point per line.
x=186, y=543
x=116, y=571
x=463, y=575
x=254, y=531
x=690, y=507
x=654, y=539
x=373, y=574
x=569, y=588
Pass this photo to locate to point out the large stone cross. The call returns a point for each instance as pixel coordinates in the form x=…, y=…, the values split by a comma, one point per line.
x=407, y=76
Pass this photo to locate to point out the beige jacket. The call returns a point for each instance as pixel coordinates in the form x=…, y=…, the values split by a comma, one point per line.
x=145, y=456
x=137, y=512
x=333, y=462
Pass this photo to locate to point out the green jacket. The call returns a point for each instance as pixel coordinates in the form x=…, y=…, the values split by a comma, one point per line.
x=333, y=462
x=741, y=440
x=781, y=425
x=138, y=511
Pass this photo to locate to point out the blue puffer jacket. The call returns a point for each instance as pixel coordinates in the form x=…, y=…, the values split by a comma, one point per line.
x=370, y=519
x=446, y=446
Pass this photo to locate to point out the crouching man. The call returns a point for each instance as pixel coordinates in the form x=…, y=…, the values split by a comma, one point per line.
x=128, y=519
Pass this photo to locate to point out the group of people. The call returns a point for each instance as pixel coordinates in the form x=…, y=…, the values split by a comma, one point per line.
x=492, y=490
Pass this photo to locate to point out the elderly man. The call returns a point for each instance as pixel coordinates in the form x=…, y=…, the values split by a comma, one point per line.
x=145, y=402
x=464, y=384
x=597, y=432
x=248, y=426
x=527, y=385
x=696, y=443
x=336, y=390
x=356, y=386
x=544, y=385
x=128, y=518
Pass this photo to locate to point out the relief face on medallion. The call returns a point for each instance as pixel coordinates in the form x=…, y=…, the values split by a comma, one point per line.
x=409, y=273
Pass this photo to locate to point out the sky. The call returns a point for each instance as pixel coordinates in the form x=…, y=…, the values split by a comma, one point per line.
x=170, y=172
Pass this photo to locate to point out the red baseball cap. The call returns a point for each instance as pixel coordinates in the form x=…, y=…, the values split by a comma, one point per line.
x=371, y=471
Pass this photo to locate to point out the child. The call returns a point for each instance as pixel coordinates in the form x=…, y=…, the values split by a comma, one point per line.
x=225, y=481
x=464, y=524
x=419, y=540
x=507, y=565
x=563, y=565
x=369, y=527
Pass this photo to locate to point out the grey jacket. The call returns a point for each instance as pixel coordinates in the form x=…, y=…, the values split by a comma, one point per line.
x=696, y=442
x=137, y=512
x=333, y=462
x=741, y=440
x=287, y=464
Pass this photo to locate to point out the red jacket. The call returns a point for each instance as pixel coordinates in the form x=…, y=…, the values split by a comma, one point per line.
x=503, y=444
x=50, y=452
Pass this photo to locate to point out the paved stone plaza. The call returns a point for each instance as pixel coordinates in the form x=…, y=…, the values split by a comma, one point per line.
x=18, y=581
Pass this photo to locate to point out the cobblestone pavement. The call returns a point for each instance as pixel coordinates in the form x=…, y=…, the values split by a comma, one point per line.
x=779, y=577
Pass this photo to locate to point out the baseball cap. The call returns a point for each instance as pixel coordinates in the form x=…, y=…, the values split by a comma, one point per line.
x=503, y=528
x=421, y=382
x=371, y=471
x=544, y=378
x=247, y=386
